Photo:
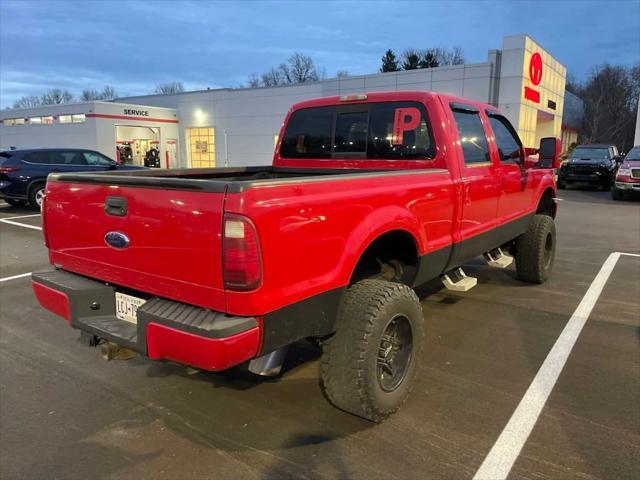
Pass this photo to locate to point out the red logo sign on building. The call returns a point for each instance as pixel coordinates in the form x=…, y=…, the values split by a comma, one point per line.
x=535, y=75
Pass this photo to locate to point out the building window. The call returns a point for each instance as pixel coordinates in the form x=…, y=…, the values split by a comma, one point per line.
x=9, y=122
x=19, y=121
x=79, y=117
x=64, y=119
x=202, y=147
x=35, y=121
x=47, y=120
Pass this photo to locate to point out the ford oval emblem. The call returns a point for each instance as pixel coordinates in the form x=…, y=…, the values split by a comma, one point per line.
x=116, y=240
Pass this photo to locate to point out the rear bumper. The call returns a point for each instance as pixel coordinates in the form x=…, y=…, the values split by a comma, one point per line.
x=164, y=330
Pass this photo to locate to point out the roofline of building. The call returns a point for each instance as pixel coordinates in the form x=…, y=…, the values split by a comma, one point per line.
x=350, y=77
x=90, y=102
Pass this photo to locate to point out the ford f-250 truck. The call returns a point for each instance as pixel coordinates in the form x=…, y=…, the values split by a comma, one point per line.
x=368, y=197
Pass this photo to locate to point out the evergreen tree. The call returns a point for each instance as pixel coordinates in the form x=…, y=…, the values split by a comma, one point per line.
x=389, y=62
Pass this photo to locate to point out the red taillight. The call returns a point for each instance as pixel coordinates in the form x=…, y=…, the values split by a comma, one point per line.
x=9, y=169
x=241, y=261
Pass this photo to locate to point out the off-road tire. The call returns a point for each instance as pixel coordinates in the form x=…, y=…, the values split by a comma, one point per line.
x=535, y=250
x=349, y=364
x=33, y=193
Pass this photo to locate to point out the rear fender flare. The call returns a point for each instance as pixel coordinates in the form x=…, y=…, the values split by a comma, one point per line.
x=377, y=223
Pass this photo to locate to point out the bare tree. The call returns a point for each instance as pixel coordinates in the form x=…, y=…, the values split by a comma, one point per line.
x=299, y=68
x=610, y=97
x=28, y=101
x=253, y=81
x=457, y=56
x=107, y=93
x=169, y=88
x=273, y=78
x=440, y=57
x=56, y=96
x=342, y=73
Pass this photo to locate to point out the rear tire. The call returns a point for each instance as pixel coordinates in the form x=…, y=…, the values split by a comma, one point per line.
x=36, y=194
x=368, y=366
x=536, y=249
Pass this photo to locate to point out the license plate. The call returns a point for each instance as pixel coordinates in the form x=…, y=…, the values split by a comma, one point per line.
x=127, y=307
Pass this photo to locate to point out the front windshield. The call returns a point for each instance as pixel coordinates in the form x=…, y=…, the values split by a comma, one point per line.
x=634, y=154
x=592, y=154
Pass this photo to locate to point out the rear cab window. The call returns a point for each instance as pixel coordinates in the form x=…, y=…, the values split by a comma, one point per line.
x=376, y=130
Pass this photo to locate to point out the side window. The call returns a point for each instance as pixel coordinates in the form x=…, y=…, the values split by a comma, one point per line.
x=351, y=132
x=506, y=139
x=94, y=158
x=399, y=130
x=68, y=158
x=308, y=134
x=36, y=157
x=472, y=138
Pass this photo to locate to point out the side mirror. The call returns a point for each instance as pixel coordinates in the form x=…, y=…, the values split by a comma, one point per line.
x=549, y=152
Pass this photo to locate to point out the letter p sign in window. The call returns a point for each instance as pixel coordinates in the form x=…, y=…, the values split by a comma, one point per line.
x=405, y=119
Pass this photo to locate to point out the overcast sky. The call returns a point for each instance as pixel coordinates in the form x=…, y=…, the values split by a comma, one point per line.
x=136, y=45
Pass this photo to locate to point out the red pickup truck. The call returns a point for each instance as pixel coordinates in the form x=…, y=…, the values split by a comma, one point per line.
x=368, y=197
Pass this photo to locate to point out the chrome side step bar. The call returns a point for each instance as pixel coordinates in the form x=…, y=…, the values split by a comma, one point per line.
x=458, y=281
x=497, y=258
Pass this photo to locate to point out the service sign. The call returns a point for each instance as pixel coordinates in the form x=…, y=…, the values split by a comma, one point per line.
x=136, y=113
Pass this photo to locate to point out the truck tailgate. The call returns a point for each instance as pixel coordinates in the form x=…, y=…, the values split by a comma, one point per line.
x=174, y=239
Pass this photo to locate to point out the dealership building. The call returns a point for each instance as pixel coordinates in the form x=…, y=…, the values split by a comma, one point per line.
x=237, y=127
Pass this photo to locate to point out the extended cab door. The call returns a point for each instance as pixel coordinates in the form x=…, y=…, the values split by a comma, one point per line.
x=515, y=184
x=480, y=183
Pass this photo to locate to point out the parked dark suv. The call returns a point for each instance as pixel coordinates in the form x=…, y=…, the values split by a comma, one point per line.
x=23, y=173
x=594, y=164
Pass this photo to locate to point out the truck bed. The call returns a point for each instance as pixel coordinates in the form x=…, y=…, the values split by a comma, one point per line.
x=211, y=179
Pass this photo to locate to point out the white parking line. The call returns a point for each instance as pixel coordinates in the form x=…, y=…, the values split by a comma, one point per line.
x=20, y=224
x=505, y=451
x=6, y=279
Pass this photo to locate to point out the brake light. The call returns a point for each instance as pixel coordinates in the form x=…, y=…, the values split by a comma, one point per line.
x=9, y=169
x=353, y=98
x=241, y=260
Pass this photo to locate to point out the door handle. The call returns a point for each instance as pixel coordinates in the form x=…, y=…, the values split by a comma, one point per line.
x=116, y=206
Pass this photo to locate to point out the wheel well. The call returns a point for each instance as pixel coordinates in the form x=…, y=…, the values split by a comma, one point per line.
x=547, y=205
x=35, y=183
x=395, y=245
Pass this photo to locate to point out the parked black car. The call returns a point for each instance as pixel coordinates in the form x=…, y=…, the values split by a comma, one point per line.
x=23, y=173
x=594, y=164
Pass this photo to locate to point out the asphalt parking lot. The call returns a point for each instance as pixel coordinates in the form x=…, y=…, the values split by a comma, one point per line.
x=66, y=413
